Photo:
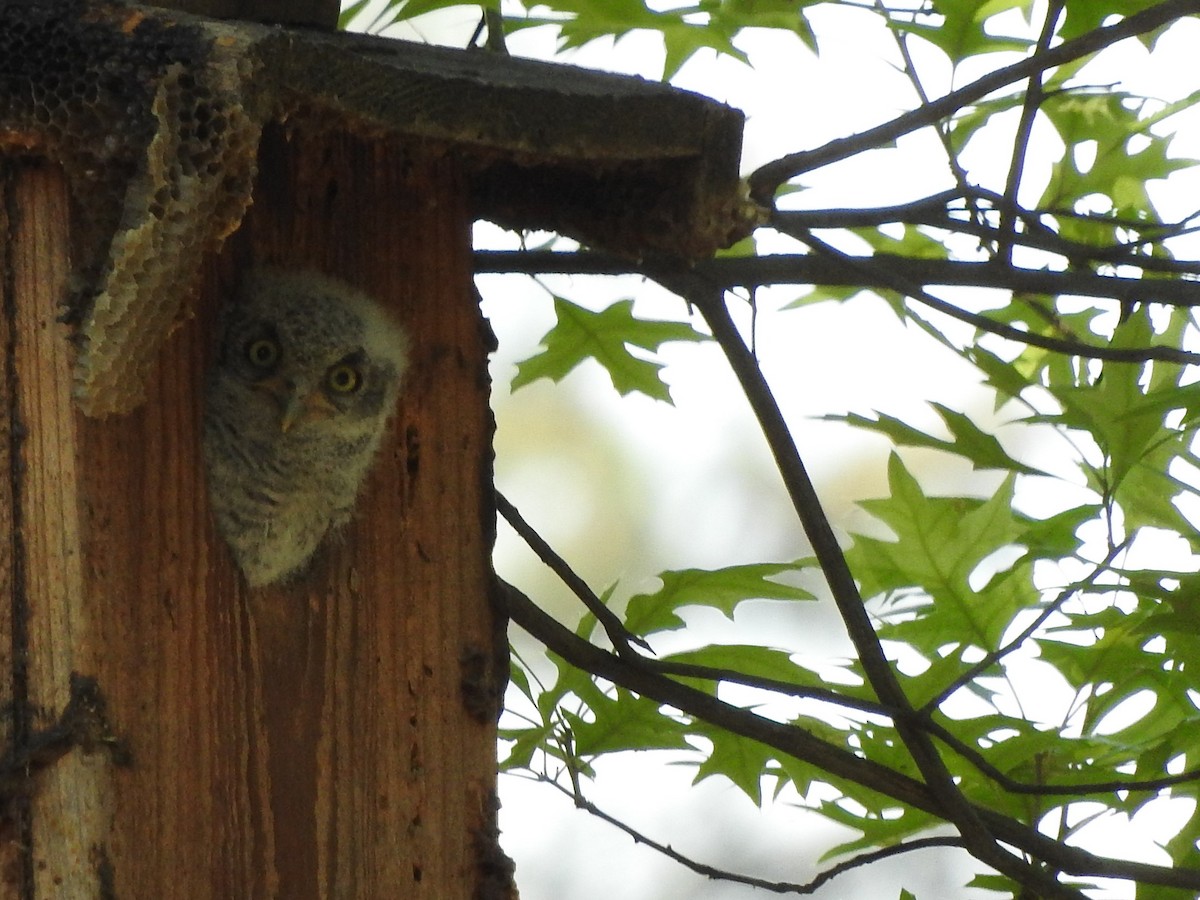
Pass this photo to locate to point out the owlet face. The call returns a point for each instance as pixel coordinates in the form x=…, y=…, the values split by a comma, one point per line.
x=306, y=375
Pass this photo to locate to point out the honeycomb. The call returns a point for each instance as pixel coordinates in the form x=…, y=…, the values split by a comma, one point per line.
x=148, y=119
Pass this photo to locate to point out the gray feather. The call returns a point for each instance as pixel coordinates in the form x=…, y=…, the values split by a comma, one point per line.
x=331, y=355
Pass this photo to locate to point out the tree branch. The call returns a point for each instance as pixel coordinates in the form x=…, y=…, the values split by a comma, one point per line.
x=953, y=806
x=900, y=38
x=776, y=887
x=621, y=637
x=992, y=658
x=1043, y=789
x=767, y=178
x=1029, y=109
x=937, y=211
x=1068, y=346
x=878, y=271
x=828, y=758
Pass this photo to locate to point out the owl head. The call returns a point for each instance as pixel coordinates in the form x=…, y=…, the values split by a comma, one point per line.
x=305, y=376
x=309, y=355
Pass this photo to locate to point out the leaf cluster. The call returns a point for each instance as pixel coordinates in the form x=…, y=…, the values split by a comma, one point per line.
x=684, y=28
x=1017, y=664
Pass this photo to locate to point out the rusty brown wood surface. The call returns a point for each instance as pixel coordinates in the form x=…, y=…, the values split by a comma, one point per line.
x=304, y=741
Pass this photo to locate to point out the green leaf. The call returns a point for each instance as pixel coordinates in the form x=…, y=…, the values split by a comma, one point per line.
x=524, y=743
x=821, y=293
x=1001, y=884
x=685, y=30
x=1107, y=121
x=940, y=542
x=1113, y=408
x=913, y=242
x=1086, y=15
x=626, y=722
x=747, y=246
x=742, y=760
x=970, y=120
x=346, y=16
x=764, y=662
x=1147, y=491
x=410, y=9
x=519, y=678
x=968, y=440
x=962, y=32
x=605, y=336
x=1156, y=404
x=1005, y=377
x=1057, y=536
x=877, y=830
x=721, y=589
x=684, y=40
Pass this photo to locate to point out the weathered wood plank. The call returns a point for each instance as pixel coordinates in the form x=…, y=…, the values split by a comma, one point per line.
x=311, y=740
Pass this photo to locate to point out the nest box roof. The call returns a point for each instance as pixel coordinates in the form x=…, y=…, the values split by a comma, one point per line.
x=617, y=161
x=156, y=116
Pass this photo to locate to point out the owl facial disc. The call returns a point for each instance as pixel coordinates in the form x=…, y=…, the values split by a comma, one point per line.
x=305, y=377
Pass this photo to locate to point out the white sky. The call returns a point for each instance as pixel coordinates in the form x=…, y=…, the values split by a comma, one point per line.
x=626, y=488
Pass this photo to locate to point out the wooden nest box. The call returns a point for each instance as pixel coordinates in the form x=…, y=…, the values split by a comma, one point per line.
x=175, y=733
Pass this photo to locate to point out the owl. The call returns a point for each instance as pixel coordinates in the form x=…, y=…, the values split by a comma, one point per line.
x=305, y=376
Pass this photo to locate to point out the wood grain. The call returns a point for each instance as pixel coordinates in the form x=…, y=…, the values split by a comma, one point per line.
x=303, y=741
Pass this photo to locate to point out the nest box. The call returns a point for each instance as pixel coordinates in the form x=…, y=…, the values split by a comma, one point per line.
x=175, y=733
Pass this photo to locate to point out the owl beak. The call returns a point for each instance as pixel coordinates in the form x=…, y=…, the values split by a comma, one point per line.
x=296, y=405
x=293, y=412
x=299, y=408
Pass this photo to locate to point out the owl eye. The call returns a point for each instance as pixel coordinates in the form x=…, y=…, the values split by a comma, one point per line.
x=343, y=379
x=262, y=353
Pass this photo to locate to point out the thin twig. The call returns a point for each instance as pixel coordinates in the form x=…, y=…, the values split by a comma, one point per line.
x=873, y=856
x=620, y=636
x=936, y=210
x=879, y=271
x=828, y=758
x=992, y=658
x=1036, y=235
x=924, y=717
x=875, y=215
x=910, y=70
x=778, y=686
x=883, y=680
x=1049, y=789
x=767, y=178
x=717, y=874
x=1070, y=347
x=1029, y=110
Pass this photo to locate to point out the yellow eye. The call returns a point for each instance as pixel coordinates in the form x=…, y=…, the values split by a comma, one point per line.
x=343, y=379
x=262, y=353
